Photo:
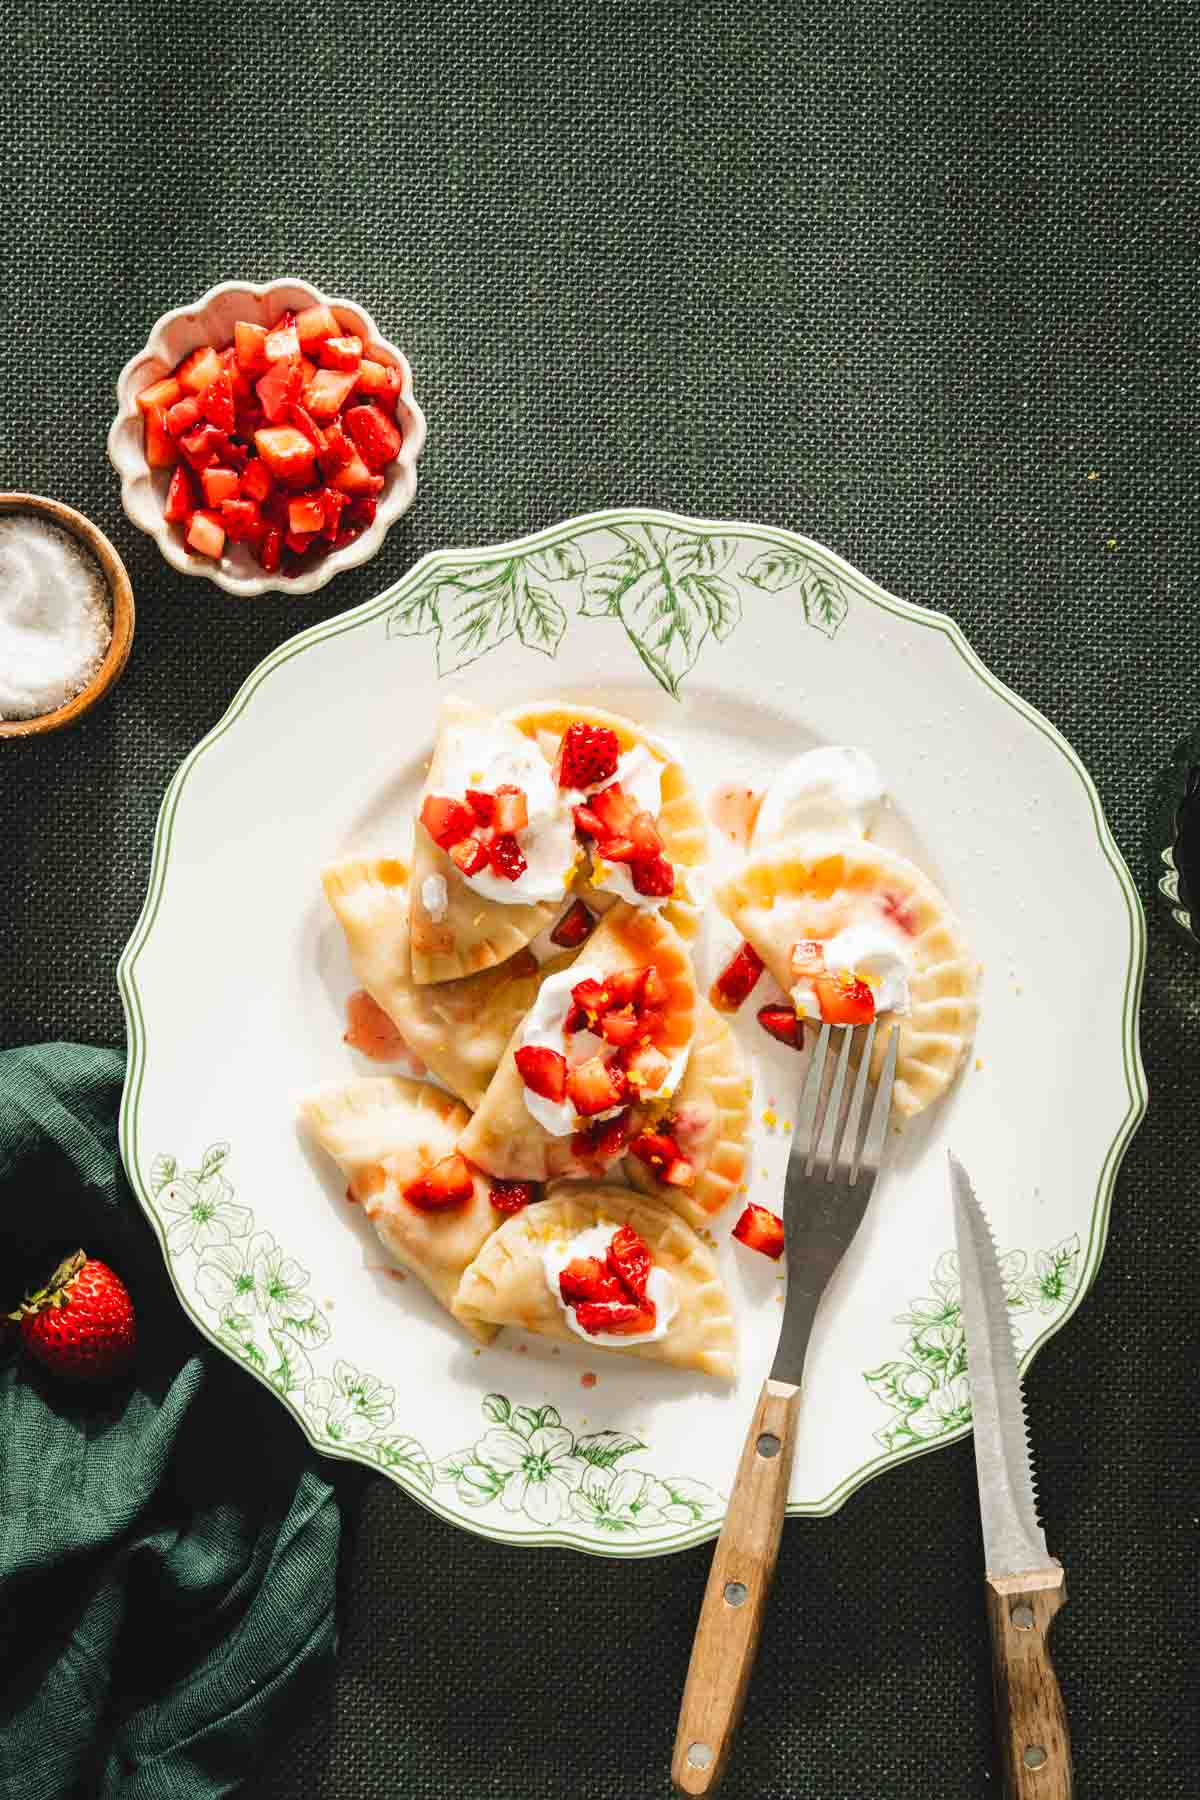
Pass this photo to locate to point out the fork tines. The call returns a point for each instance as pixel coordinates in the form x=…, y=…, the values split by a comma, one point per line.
x=833, y=1138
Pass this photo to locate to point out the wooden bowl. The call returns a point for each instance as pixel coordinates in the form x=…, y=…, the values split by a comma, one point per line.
x=120, y=594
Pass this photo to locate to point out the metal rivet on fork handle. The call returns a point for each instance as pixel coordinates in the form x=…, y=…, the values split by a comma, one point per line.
x=768, y=1444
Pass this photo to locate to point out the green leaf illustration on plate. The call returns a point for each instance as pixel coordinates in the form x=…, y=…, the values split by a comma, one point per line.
x=669, y=588
x=925, y=1389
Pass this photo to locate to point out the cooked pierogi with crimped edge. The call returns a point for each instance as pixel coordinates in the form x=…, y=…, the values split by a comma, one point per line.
x=707, y=1119
x=457, y=928
x=859, y=893
x=513, y=1279
x=386, y=1133
x=649, y=772
x=457, y=1028
x=520, y=1134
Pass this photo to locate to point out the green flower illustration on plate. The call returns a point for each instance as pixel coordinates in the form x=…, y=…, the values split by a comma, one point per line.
x=671, y=589
x=926, y=1389
x=528, y=1463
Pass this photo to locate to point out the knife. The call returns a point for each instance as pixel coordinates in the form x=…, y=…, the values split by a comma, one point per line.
x=1025, y=1584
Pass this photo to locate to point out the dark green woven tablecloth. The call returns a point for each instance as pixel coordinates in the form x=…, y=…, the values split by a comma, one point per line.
x=918, y=281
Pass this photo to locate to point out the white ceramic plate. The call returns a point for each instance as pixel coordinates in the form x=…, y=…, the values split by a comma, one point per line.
x=743, y=644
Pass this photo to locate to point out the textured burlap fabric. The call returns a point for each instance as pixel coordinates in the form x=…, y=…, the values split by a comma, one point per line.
x=918, y=281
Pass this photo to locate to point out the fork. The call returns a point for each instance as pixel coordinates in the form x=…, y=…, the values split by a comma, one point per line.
x=828, y=1183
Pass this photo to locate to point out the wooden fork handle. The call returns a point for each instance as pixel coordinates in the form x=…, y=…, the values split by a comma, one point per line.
x=1031, y=1721
x=735, y=1599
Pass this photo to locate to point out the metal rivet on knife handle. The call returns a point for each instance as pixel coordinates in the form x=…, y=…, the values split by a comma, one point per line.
x=699, y=1755
x=1022, y=1617
x=1035, y=1756
x=768, y=1444
x=735, y=1593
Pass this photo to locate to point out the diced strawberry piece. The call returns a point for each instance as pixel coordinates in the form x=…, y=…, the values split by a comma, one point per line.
x=587, y=822
x=237, y=454
x=779, y=1019
x=654, y=988
x=617, y=849
x=680, y=1174
x=655, y=877
x=203, y=447
x=334, y=505
x=629, y=1260
x=615, y=810
x=736, y=979
x=587, y=754
x=448, y=1183
x=196, y=371
x=620, y=1321
x=283, y=340
x=314, y=325
x=575, y=925
x=506, y=857
x=807, y=959
x=279, y=389
x=162, y=394
x=372, y=377
x=270, y=548
x=306, y=513
x=543, y=1070
x=656, y=1149
x=482, y=805
x=299, y=541
x=219, y=484
x=287, y=453
x=586, y=1278
x=844, y=1000
x=239, y=382
x=343, y=353
x=644, y=833
x=591, y=997
x=621, y=1027
x=375, y=435
x=512, y=808
x=760, y=1229
x=625, y=987
x=603, y=1140
x=256, y=482
x=362, y=510
x=183, y=415
x=216, y=402
x=304, y=421
x=652, y=1023
x=595, y=1086
x=446, y=820
x=242, y=520
x=338, y=451
x=470, y=855
x=510, y=1196
x=206, y=534
x=327, y=391
x=356, y=478
x=182, y=499
x=646, y=1069
x=388, y=396
x=160, y=445
x=250, y=417
x=250, y=343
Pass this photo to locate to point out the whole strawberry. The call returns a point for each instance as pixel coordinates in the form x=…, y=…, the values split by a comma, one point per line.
x=80, y=1325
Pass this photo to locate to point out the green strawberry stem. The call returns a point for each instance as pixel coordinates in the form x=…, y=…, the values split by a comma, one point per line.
x=56, y=1291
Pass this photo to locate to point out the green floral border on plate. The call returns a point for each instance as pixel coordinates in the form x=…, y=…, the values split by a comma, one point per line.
x=667, y=590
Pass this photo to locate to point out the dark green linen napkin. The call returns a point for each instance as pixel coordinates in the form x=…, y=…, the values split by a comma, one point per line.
x=168, y=1548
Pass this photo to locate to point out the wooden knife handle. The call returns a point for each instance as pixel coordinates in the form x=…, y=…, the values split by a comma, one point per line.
x=1031, y=1722
x=735, y=1599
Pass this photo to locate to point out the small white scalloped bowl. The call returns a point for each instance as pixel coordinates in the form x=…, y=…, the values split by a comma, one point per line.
x=210, y=320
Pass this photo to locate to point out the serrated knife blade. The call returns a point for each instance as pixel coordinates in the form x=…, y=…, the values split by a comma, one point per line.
x=1013, y=1539
x=1024, y=1584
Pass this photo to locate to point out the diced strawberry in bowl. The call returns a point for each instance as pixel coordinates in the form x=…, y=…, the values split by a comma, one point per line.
x=245, y=390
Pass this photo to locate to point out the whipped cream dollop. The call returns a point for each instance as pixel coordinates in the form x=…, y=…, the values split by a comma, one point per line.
x=835, y=791
x=594, y=1241
x=543, y=1025
x=435, y=898
x=486, y=757
x=868, y=952
x=640, y=774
